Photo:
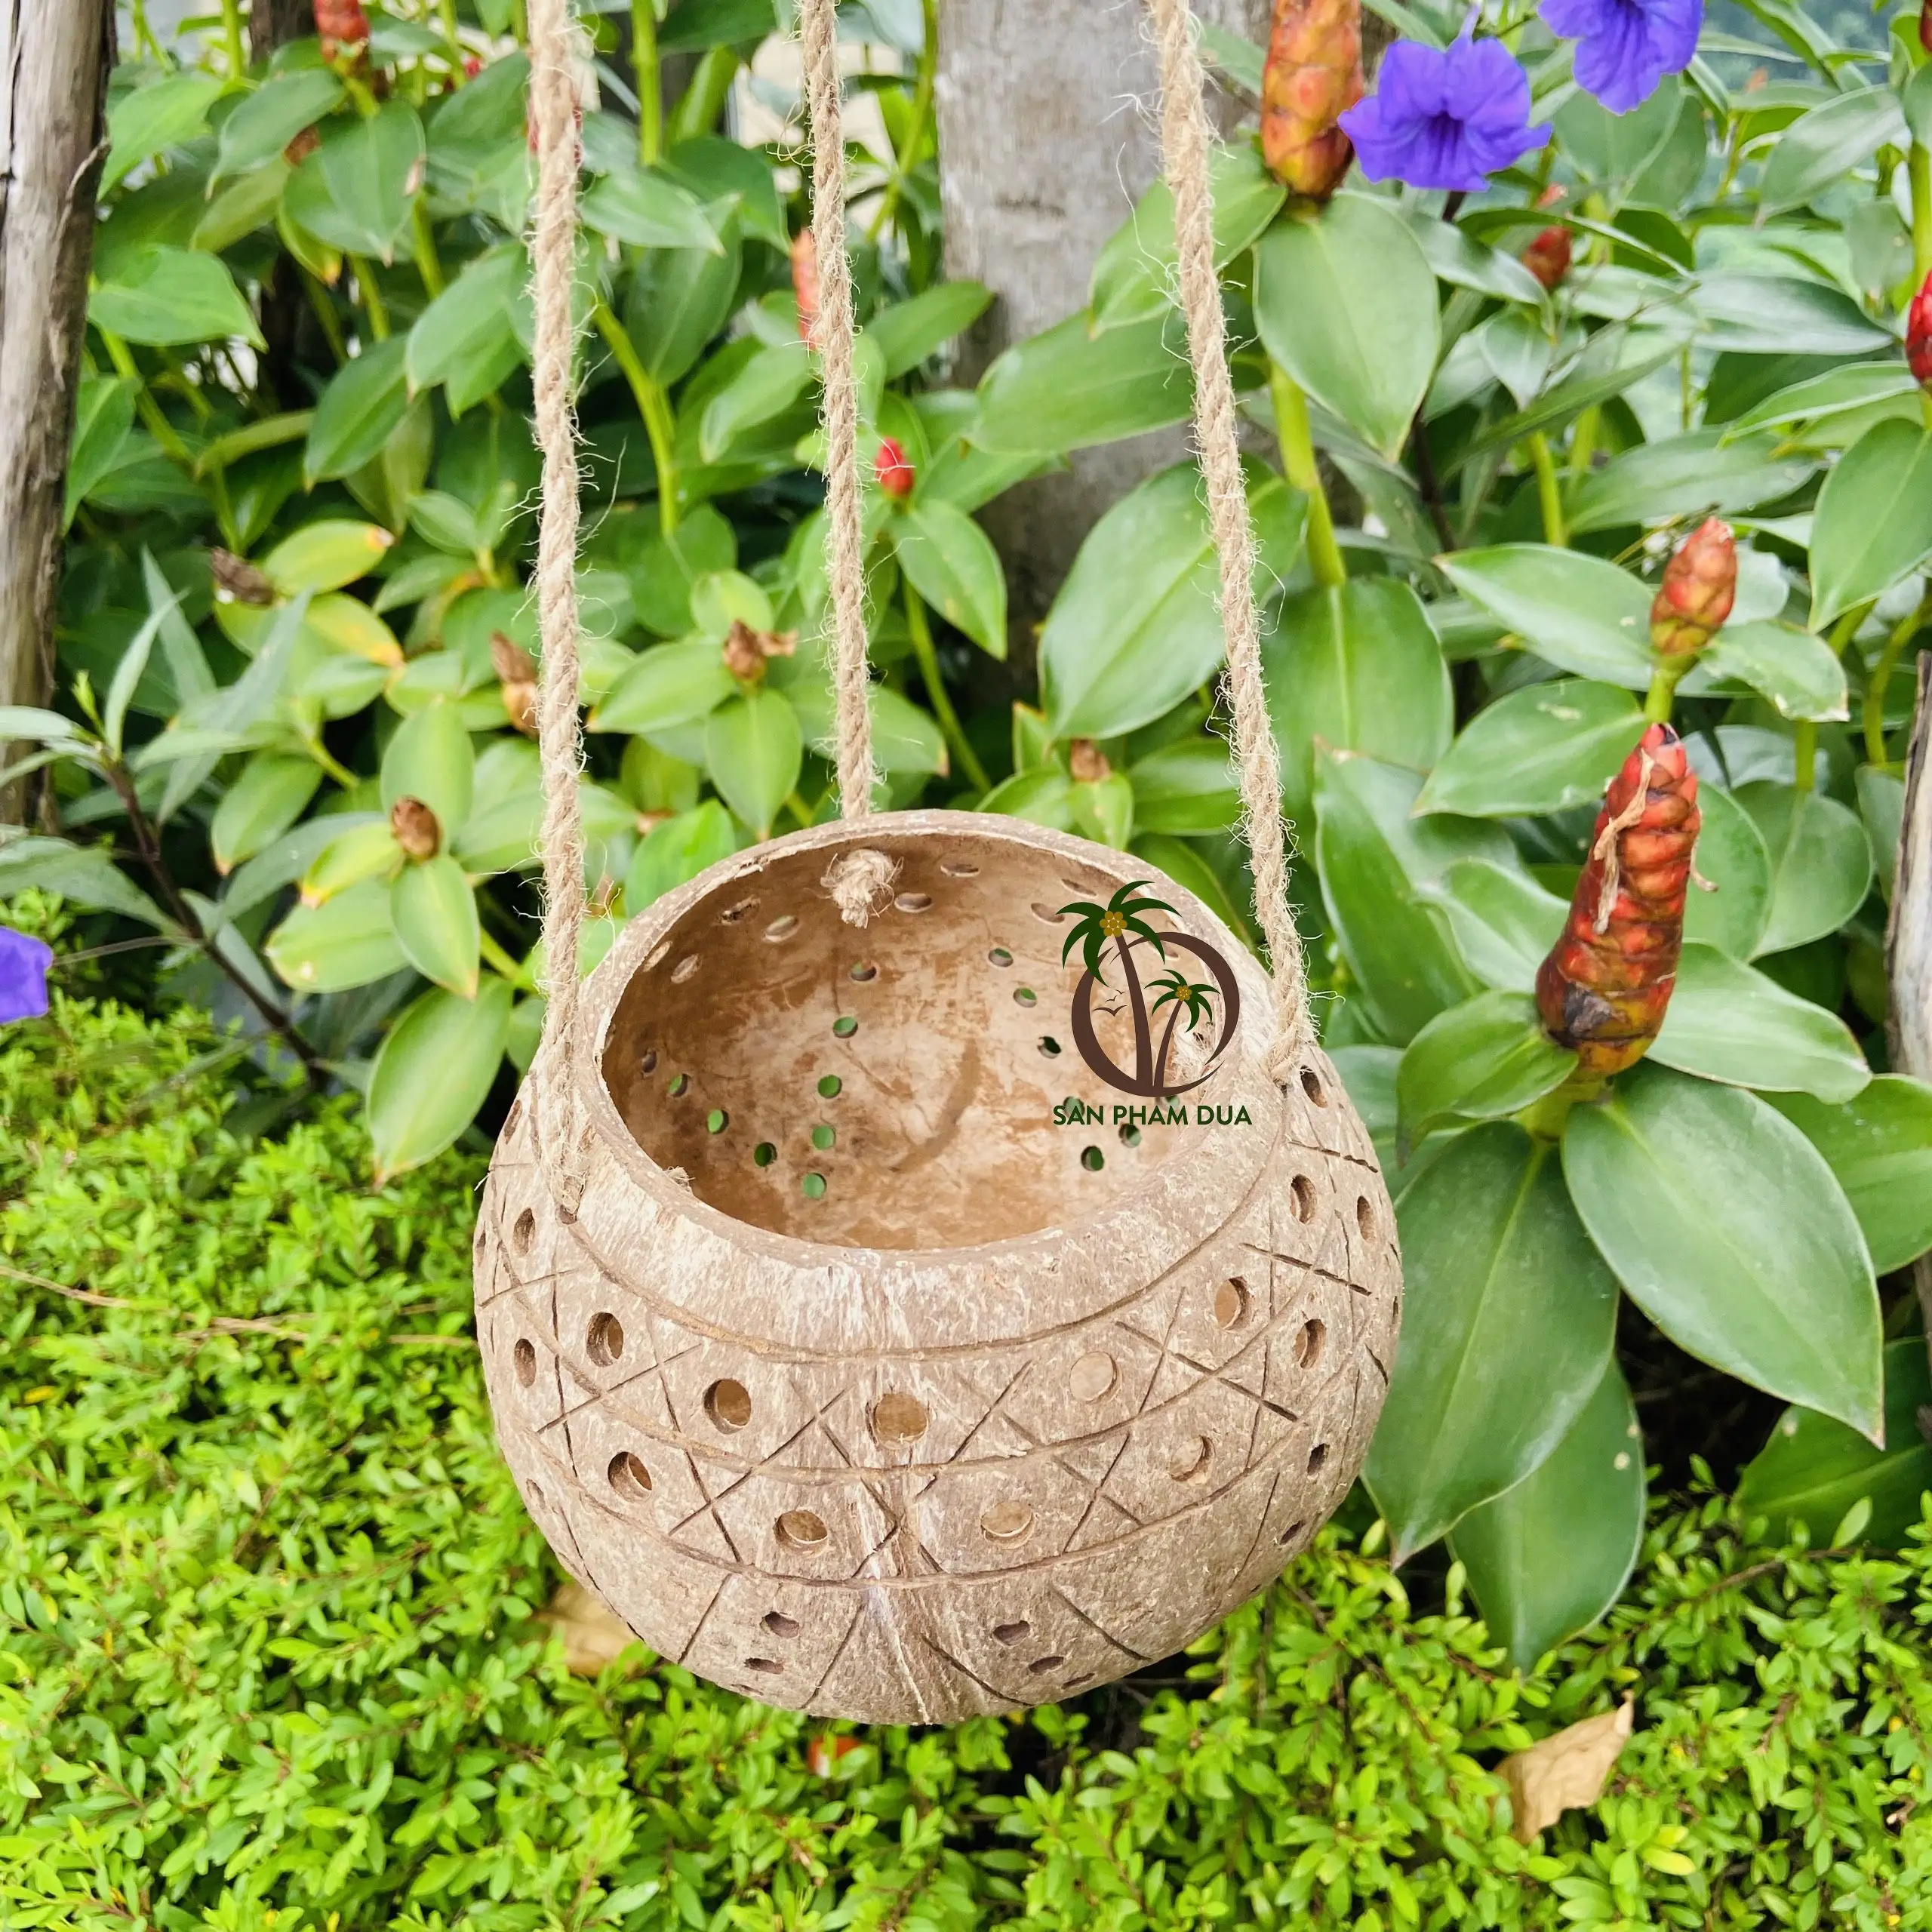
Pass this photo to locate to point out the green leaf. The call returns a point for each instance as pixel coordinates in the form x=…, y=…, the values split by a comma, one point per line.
x=1507, y=1320
x=1814, y=1471
x=433, y=1072
x=434, y=912
x=664, y=569
x=1882, y=805
x=30, y=721
x=1819, y=399
x=1726, y=1227
x=1137, y=623
x=103, y=415
x=1503, y=921
x=260, y=127
x=1543, y=749
x=646, y=207
x=908, y=333
x=85, y=874
x=1879, y=1145
x=1485, y=1059
x=1821, y=860
x=670, y=684
x=1065, y=389
x=261, y=805
x=1731, y=860
x=1797, y=670
x=1547, y=1558
x=1726, y=1023
x=1356, y=668
x=1708, y=470
x=1345, y=301
x=753, y=749
x=325, y=555
x=1821, y=148
x=1873, y=524
x=467, y=339
x=713, y=168
x=1460, y=259
x=355, y=191
x=680, y=298
x=164, y=114
x=346, y=941
x=676, y=851
x=1614, y=148
x=1764, y=314
x=430, y=758
x=358, y=412
x=1187, y=787
x=1137, y=272
x=1376, y=863
x=1580, y=614
x=951, y=562
x=1043, y=795
x=166, y=297
x=765, y=387
x=904, y=739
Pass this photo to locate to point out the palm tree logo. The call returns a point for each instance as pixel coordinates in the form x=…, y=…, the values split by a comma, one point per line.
x=1114, y=934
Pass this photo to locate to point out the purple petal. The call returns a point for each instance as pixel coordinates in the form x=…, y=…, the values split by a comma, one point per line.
x=23, y=964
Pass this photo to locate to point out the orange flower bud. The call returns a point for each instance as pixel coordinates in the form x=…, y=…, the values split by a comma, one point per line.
x=804, y=284
x=893, y=470
x=1312, y=78
x=1918, y=329
x=1548, y=257
x=1607, y=981
x=416, y=828
x=1700, y=588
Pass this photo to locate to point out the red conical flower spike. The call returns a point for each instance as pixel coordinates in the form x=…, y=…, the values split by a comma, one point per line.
x=1918, y=329
x=893, y=469
x=1699, y=590
x=341, y=22
x=804, y=284
x=1548, y=257
x=1606, y=983
x=1311, y=78
x=1925, y=27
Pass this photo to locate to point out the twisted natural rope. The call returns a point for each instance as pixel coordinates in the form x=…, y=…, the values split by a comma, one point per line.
x=1185, y=147
x=553, y=110
x=858, y=879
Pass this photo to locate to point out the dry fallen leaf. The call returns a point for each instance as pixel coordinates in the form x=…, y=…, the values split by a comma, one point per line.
x=1564, y=1772
x=593, y=1633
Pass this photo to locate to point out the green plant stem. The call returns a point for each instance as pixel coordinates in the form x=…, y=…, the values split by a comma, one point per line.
x=949, y=719
x=231, y=29
x=644, y=66
x=1583, y=441
x=325, y=315
x=1878, y=686
x=1544, y=1119
x=660, y=424
x=1919, y=173
x=1549, y=492
x=800, y=810
x=446, y=10
x=1298, y=463
x=904, y=161
x=163, y=431
x=271, y=433
x=372, y=296
x=1805, y=739
x=1663, y=688
x=423, y=250
x=498, y=960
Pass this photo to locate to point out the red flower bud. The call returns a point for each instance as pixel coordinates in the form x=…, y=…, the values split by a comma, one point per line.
x=1548, y=257
x=1605, y=986
x=1918, y=326
x=804, y=284
x=1700, y=588
x=472, y=65
x=1313, y=76
x=341, y=22
x=1925, y=27
x=893, y=471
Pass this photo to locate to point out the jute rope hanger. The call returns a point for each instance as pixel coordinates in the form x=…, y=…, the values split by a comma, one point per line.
x=858, y=882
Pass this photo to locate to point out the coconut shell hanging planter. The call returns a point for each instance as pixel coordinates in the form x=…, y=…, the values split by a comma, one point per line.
x=931, y=1269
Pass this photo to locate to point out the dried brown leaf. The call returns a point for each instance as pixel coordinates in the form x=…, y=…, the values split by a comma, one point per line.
x=593, y=1634
x=1564, y=1772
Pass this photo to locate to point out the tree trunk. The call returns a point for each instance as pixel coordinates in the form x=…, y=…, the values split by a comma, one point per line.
x=1908, y=940
x=1047, y=137
x=273, y=23
x=54, y=58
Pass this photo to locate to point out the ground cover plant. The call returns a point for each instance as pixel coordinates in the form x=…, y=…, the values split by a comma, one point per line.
x=1592, y=522
x=267, y=1655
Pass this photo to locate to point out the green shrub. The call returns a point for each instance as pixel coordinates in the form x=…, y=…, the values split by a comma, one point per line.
x=267, y=1655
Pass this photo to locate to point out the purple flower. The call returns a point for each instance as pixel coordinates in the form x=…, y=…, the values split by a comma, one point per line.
x=23, y=965
x=1444, y=117
x=1625, y=46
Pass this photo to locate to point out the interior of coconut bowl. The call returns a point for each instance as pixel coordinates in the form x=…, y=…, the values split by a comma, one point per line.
x=896, y=1086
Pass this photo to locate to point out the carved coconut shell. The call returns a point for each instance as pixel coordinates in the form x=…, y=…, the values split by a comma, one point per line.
x=855, y=1383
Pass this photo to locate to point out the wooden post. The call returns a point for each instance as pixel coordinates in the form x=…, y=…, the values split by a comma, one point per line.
x=1908, y=937
x=54, y=59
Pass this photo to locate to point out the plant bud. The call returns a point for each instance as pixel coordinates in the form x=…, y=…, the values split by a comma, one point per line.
x=238, y=578
x=516, y=671
x=1918, y=329
x=1700, y=588
x=416, y=828
x=1548, y=257
x=804, y=284
x=1607, y=981
x=893, y=471
x=340, y=23
x=746, y=650
x=1086, y=762
x=1311, y=78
